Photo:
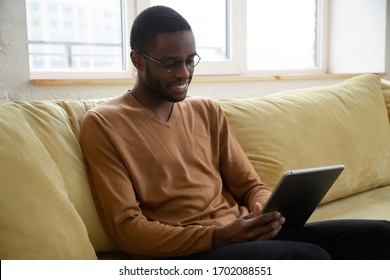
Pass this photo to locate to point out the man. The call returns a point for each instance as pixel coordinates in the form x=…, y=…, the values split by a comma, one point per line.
x=169, y=179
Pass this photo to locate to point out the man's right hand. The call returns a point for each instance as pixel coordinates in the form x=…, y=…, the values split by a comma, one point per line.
x=254, y=226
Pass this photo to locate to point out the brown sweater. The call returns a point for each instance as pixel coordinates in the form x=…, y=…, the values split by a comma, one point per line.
x=160, y=187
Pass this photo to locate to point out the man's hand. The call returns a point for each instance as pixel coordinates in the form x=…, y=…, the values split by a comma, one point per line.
x=254, y=226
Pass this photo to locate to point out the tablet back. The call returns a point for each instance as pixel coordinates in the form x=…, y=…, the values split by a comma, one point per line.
x=299, y=192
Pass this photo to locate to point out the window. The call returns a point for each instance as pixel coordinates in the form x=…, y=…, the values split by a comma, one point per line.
x=232, y=36
x=78, y=36
x=282, y=34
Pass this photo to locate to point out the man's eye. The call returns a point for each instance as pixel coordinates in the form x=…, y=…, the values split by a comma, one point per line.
x=173, y=63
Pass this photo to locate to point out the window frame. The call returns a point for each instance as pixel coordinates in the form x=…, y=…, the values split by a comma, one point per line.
x=234, y=66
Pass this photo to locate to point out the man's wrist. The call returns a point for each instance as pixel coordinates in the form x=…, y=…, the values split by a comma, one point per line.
x=219, y=237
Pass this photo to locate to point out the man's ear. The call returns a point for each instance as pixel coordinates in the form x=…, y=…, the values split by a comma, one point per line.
x=137, y=60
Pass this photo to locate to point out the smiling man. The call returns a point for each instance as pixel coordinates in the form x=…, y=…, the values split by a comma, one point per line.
x=169, y=179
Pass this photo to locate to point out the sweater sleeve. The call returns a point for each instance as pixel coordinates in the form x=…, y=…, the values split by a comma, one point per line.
x=117, y=204
x=238, y=174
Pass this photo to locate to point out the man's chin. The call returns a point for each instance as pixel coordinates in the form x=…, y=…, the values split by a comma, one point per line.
x=177, y=97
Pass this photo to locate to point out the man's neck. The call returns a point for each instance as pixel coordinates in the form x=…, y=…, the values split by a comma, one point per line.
x=161, y=108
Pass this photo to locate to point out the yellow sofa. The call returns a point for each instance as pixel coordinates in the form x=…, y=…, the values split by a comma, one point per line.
x=47, y=211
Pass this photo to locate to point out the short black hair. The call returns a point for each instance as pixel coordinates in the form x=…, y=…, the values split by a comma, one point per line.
x=153, y=21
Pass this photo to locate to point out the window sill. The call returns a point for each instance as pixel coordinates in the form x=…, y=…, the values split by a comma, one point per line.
x=197, y=79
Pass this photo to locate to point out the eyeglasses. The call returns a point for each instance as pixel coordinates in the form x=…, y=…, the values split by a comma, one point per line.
x=173, y=64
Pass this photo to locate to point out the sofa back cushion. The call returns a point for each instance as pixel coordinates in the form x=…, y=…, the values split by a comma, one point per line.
x=38, y=221
x=346, y=123
x=386, y=94
x=47, y=211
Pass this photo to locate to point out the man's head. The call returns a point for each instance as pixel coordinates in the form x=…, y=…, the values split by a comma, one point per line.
x=164, y=53
x=153, y=21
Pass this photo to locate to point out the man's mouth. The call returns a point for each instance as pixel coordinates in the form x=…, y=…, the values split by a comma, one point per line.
x=180, y=87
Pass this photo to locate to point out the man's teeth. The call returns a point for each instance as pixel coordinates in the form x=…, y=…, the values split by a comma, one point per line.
x=181, y=86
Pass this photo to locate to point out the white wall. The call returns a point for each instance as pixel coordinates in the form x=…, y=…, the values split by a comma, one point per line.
x=15, y=81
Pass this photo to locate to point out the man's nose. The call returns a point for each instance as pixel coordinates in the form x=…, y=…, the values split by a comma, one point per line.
x=183, y=71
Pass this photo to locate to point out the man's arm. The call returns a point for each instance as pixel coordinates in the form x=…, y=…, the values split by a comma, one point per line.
x=243, y=182
x=239, y=176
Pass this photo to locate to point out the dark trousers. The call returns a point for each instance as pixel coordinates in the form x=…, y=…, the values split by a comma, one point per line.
x=337, y=239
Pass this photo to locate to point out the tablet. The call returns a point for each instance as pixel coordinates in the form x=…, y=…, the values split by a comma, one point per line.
x=299, y=192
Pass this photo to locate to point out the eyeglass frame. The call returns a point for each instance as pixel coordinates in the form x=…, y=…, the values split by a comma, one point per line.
x=175, y=65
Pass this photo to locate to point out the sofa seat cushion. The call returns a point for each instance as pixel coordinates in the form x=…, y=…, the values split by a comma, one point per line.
x=372, y=204
x=346, y=123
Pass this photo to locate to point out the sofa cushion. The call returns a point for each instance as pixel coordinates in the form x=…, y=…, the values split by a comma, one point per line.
x=373, y=204
x=386, y=94
x=346, y=123
x=70, y=162
x=37, y=219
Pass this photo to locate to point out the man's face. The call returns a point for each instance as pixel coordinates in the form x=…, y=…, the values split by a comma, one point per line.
x=164, y=82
